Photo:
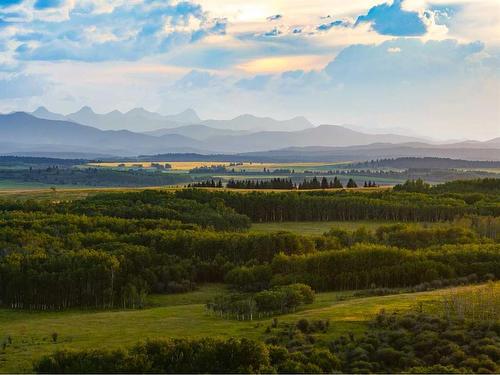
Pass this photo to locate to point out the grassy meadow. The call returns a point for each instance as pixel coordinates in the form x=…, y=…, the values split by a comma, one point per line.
x=315, y=227
x=176, y=316
x=320, y=227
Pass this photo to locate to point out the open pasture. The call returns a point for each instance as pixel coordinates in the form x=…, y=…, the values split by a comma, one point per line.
x=315, y=227
x=175, y=316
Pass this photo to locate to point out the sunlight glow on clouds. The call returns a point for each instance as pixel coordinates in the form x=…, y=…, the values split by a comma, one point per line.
x=284, y=63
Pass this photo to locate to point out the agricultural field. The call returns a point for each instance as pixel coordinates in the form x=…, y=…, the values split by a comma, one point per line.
x=176, y=316
x=248, y=166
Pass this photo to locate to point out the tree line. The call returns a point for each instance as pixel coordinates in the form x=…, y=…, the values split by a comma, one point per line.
x=349, y=205
x=280, y=184
x=365, y=266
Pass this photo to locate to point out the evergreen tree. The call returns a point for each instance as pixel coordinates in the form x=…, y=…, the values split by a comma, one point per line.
x=351, y=183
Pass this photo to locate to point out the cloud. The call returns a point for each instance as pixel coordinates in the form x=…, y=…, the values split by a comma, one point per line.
x=443, y=14
x=197, y=79
x=126, y=31
x=274, y=32
x=329, y=25
x=393, y=20
x=403, y=61
x=259, y=82
x=275, y=17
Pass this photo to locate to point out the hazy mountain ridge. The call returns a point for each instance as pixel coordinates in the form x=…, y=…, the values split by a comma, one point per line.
x=23, y=129
x=196, y=131
x=22, y=132
x=323, y=135
x=373, y=151
x=254, y=123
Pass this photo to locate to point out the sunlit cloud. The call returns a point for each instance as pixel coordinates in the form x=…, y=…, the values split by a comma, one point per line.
x=284, y=63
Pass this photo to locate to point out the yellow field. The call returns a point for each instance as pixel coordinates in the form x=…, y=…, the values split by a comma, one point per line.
x=176, y=165
x=187, y=165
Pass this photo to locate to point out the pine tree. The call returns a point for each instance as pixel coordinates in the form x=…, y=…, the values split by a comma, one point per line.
x=351, y=183
x=324, y=183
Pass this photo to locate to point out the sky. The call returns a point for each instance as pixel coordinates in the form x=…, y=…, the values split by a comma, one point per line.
x=428, y=67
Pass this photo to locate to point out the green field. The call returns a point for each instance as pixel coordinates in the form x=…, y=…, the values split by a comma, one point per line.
x=173, y=316
x=319, y=227
x=16, y=185
x=65, y=193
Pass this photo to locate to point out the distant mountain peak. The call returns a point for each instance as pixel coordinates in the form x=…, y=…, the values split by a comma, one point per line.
x=43, y=113
x=245, y=116
x=189, y=111
x=301, y=118
x=86, y=110
x=41, y=109
x=138, y=111
x=188, y=116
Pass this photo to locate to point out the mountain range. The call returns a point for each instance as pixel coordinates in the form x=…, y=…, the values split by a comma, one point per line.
x=137, y=119
x=86, y=132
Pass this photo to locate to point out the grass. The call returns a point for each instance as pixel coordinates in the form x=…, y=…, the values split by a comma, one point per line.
x=20, y=185
x=314, y=227
x=172, y=316
x=319, y=227
x=61, y=194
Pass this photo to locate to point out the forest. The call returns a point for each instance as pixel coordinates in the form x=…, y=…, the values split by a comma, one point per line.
x=454, y=199
x=113, y=250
